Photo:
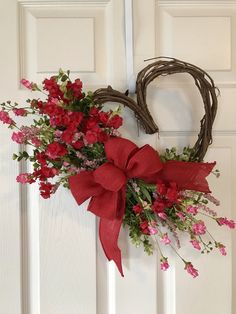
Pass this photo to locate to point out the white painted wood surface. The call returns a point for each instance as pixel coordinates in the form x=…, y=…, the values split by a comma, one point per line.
x=51, y=261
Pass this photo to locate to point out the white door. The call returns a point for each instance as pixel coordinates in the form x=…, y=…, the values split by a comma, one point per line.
x=50, y=259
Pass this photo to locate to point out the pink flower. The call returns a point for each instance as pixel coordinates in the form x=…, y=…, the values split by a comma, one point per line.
x=164, y=264
x=24, y=178
x=180, y=215
x=231, y=224
x=20, y=112
x=152, y=230
x=221, y=248
x=192, y=210
x=212, y=199
x=57, y=133
x=199, y=228
x=26, y=83
x=165, y=239
x=225, y=221
x=4, y=117
x=196, y=244
x=191, y=270
x=162, y=215
x=18, y=137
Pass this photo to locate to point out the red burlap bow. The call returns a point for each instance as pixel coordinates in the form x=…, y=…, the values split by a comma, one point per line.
x=107, y=185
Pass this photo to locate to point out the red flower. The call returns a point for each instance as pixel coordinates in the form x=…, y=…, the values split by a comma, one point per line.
x=137, y=208
x=36, y=141
x=102, y=137
x=46, y=189
x=41, y=158
x=75, y=118
x=103, y=116
x=78, y=144
x=91, y=137
x=55, y=150
x=144, y=227
x=67, y=136
x=75, y=88
x=52, y=109
x=159, y=205
x=45, y=172
x=52, y=87
x=161, y=188
x=20, y=112
x=91, y=123
x=172, y=193
x=115, y=122
x=94, y=112
x=37, y=104
x=169, y=192
x=48, y=172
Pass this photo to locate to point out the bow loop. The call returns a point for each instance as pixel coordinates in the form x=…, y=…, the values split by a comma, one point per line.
x=145, y=162
x=119, y=150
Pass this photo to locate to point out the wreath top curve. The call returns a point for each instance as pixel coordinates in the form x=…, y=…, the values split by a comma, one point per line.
x=74, y=142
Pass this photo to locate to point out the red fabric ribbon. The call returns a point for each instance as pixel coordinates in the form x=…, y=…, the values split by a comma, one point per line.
x=107, y=185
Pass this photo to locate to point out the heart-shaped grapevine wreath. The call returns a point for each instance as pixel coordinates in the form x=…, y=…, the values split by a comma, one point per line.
x=76, y=144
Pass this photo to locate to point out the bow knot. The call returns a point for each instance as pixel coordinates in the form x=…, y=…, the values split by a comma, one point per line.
x=110, y=177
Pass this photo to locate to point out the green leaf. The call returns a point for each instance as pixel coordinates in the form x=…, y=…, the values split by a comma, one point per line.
x=25, y=154
x=145, y=192
x=64, y=78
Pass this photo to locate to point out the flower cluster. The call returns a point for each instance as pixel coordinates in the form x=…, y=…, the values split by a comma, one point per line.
x=68, y=132
x=155, y=214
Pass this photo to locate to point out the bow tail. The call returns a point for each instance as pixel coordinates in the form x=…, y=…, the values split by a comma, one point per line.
x=187, y=175
x=109, y=230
